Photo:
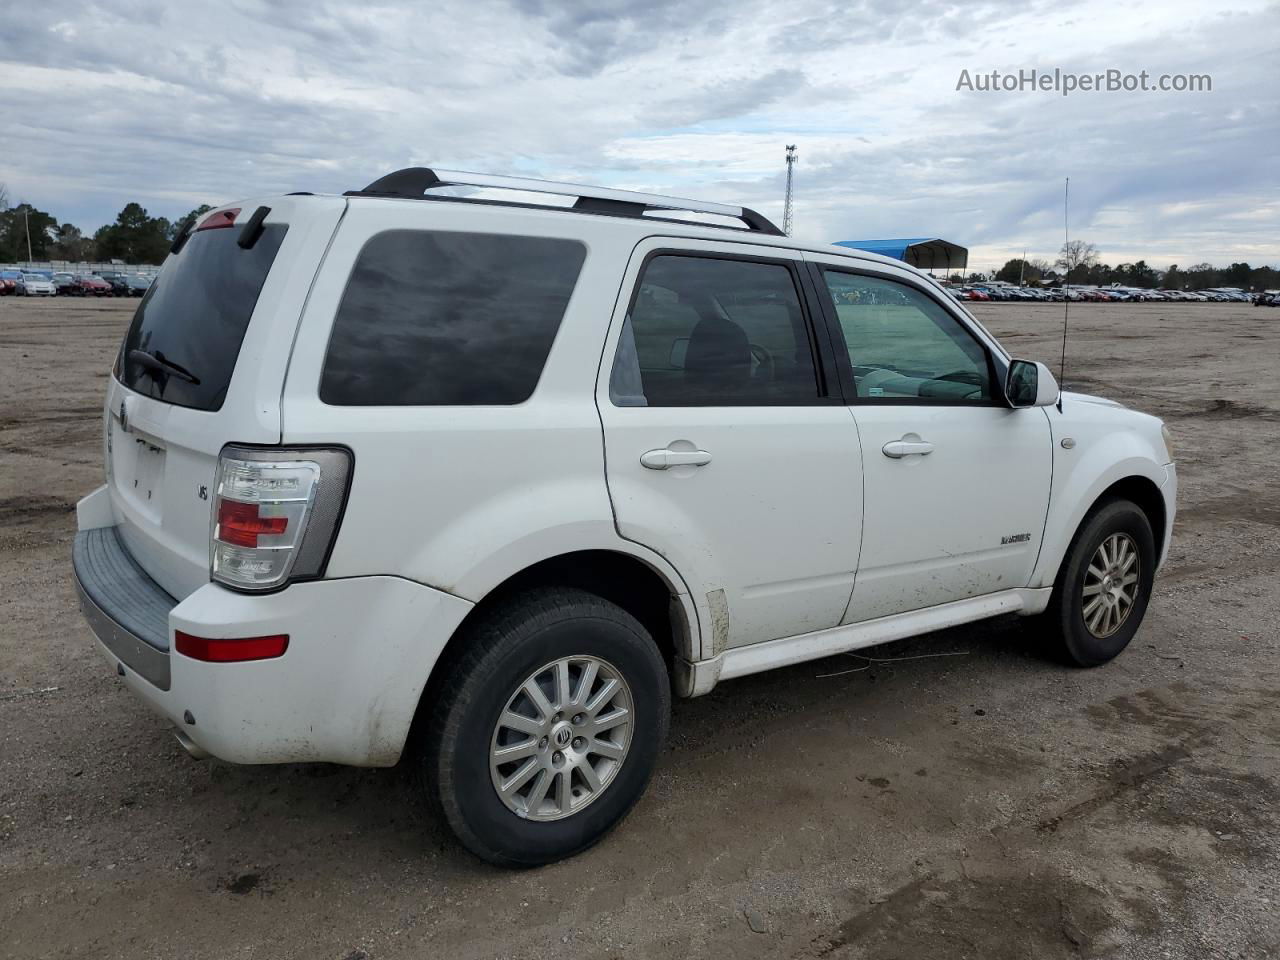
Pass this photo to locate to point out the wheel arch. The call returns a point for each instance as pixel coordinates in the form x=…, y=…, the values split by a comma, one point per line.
x=1140, y=481
x=1143, y=492
x=641, y=588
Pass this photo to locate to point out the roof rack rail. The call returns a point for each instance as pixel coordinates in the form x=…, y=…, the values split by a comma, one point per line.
x=412, y=183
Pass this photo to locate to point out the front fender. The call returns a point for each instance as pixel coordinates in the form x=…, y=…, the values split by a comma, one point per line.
x=1081, y=475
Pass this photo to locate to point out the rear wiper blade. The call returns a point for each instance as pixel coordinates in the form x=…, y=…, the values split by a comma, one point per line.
x=157, y=363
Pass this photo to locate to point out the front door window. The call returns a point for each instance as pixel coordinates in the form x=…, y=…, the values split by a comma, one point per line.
x=904, y=346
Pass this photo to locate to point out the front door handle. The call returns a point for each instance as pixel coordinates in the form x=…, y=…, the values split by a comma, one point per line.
x=664, y=458
x=908, y=445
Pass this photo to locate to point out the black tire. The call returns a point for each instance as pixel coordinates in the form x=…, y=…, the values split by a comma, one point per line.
x=497, y=654
x=1064, y=619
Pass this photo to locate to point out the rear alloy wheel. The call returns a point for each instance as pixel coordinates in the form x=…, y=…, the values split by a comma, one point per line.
x=548, y=722
x=562, y=738
x=1104, y=585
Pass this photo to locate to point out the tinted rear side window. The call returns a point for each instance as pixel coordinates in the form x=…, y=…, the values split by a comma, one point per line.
x=195, y=316
x=448, y=318
x=706, y=331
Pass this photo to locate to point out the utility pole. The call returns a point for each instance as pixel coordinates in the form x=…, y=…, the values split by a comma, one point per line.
x=27, y=212
x=1022, y=268
x=786, y=208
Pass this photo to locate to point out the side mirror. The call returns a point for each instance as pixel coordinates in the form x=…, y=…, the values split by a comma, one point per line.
x=1030, y=384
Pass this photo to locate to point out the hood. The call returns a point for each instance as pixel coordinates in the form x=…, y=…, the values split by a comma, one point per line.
x=1070, y=397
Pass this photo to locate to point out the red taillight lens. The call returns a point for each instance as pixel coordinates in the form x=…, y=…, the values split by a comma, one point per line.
x=234, y=650
x=241, y=524
x=275, y=513
x=219, y=220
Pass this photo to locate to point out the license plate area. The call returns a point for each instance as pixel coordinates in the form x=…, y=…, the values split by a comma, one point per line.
x=143, y=479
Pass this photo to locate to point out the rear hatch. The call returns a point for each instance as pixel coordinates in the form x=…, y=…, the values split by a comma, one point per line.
x=202, y=365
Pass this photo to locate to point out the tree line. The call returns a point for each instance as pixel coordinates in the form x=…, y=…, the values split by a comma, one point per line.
x=134, y=237
x=1079, y=262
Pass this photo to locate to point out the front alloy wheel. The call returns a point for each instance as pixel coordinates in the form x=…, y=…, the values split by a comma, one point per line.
x=1103, y=586
x=1111, y=585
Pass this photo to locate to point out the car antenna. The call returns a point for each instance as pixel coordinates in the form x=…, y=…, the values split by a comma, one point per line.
x=1066, y=297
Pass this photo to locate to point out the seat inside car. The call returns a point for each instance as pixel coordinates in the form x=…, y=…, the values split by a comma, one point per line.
x=718, y=359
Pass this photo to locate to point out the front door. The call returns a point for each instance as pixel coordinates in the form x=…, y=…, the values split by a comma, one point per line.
x=956, y=482
x=726, y=452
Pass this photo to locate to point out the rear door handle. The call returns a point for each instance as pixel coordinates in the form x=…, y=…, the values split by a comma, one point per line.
x=897, y=449
x=664, y=459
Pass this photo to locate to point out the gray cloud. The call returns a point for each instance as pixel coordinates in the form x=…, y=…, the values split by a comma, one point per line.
x=726, y=98
x=588, y=37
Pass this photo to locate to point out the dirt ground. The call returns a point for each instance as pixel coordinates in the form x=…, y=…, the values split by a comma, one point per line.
x=991, y=805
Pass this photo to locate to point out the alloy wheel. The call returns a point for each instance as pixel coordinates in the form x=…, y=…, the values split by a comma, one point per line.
x=561, y=738
x=1111, y=584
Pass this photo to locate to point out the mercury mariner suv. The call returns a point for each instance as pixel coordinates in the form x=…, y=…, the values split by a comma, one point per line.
x=481, y=483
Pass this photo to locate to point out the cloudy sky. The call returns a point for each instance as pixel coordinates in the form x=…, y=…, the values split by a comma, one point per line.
x=174, y=104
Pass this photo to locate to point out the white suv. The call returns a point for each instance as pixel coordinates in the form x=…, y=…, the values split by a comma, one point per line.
x=481, y=482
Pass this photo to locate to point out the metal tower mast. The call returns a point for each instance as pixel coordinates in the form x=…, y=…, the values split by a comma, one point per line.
x=786, y=209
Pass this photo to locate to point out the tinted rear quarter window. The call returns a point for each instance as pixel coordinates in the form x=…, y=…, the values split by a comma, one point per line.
x=195, y=316
x=442, y=318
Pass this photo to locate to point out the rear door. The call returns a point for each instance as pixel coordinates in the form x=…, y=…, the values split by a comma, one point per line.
x=202, y=365
x=727, y=451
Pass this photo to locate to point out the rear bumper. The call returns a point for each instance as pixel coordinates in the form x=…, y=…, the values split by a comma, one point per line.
x=360, y=652
x=126, y=610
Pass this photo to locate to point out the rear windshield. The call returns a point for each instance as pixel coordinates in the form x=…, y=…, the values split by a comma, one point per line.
x=448, y=318
x=192, y=320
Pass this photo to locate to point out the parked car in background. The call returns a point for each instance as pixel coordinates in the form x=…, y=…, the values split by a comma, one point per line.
x=64, y=283
x=138, y=284
x=9, y=282
x=119, y=282
x=36, y=285
x=89, y=285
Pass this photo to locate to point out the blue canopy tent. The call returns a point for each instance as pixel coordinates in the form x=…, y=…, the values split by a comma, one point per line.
x=926, y=253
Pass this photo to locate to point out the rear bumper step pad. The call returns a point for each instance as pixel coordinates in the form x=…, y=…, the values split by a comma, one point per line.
x=125, y=608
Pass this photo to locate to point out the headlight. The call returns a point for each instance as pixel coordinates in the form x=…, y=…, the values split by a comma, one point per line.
x=1168, y=441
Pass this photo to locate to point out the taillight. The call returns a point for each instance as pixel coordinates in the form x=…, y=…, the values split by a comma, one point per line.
x=241, y=524
x=275, y=514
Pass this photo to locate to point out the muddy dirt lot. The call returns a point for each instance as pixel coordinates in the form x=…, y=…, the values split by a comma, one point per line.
x=987, y=805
